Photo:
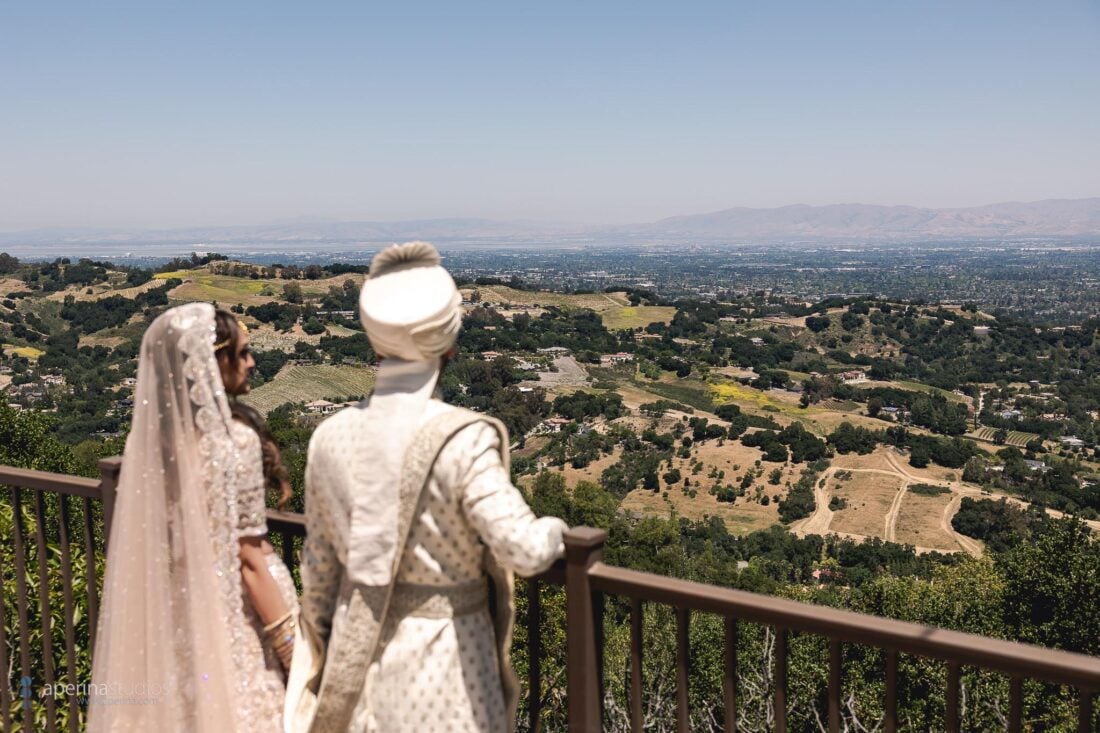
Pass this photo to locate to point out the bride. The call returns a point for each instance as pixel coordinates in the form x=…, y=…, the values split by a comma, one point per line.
x=198, y=614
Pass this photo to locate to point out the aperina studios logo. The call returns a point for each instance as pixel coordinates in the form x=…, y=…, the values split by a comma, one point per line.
x=93, y=693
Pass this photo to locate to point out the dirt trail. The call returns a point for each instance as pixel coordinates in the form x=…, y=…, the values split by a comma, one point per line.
x=890, y=532
x=958, y=490
x=819, y=521
x=822, y=518
x=969, y=546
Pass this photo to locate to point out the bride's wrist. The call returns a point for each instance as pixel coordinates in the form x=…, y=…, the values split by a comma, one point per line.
x=279, y=637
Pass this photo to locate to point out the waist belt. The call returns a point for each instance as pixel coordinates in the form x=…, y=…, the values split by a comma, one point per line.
x=439, y=601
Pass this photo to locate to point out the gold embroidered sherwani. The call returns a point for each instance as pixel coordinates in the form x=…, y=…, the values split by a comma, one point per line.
x=435, y=670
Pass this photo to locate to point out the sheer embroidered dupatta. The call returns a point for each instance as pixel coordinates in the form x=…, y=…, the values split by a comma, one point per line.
x=167, y=657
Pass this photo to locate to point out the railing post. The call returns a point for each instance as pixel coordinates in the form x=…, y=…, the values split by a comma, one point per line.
x=109, y=469
x=583, y=548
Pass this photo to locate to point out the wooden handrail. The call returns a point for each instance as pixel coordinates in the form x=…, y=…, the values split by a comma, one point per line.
x=54, y=483
x=1013, y=658
x=588, y=578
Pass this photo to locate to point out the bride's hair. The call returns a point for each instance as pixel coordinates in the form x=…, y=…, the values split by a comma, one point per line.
x=275, y=473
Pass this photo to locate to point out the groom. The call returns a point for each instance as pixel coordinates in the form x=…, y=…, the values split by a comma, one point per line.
x=412, y=523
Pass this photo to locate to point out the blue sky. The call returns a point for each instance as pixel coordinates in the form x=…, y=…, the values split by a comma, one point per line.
x=152, y=114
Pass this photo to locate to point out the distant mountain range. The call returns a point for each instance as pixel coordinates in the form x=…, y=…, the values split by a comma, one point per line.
x=855, y=223
x=1051, y=218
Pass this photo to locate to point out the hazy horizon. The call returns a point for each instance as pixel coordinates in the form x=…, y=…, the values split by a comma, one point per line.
x=126, y=116
x=306, y=219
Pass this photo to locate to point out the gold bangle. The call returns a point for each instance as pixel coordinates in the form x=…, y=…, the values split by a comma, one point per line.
x=288, y=616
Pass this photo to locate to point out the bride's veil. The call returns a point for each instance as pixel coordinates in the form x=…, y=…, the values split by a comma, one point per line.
x=168, y=655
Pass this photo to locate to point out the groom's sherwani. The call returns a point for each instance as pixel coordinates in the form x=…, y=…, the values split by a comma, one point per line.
x=436, y=668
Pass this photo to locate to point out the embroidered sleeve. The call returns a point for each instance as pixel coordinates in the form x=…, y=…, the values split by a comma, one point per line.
x=497, y=510
x=321, y=568
x=252, y=513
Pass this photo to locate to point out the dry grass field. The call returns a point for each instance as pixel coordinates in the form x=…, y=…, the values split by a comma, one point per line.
x=870, y=497
x=511, y=313
x=632, y=317
x=335, y=329
x=101, y=290
x=11, y=285
x=785, y=321
x=740, y=518
x=308, y=383
x=203, y=285
x=735, y=372
x=496, y=294
x=745, y=515
x=574, y=476
x=94, y=340
x=886, y=458
x=916, y=387
x=614, y=308
x=919, y=522
x=880, y=503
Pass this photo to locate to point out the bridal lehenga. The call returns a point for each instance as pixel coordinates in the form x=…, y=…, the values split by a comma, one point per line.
x=179, y=646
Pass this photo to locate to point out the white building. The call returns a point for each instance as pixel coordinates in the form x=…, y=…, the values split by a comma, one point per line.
x=321, y=407
x=620, y=358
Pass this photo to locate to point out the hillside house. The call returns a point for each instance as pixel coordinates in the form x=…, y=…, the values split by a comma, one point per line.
x=553, y=425
x=1036, y=466
x=611, y=359
x=351, y=315
x=855, y=376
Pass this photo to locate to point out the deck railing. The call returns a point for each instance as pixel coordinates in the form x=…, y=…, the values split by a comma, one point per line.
x=586, y=580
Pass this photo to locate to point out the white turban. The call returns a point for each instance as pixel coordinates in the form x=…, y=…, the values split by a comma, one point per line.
x=409, y=305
